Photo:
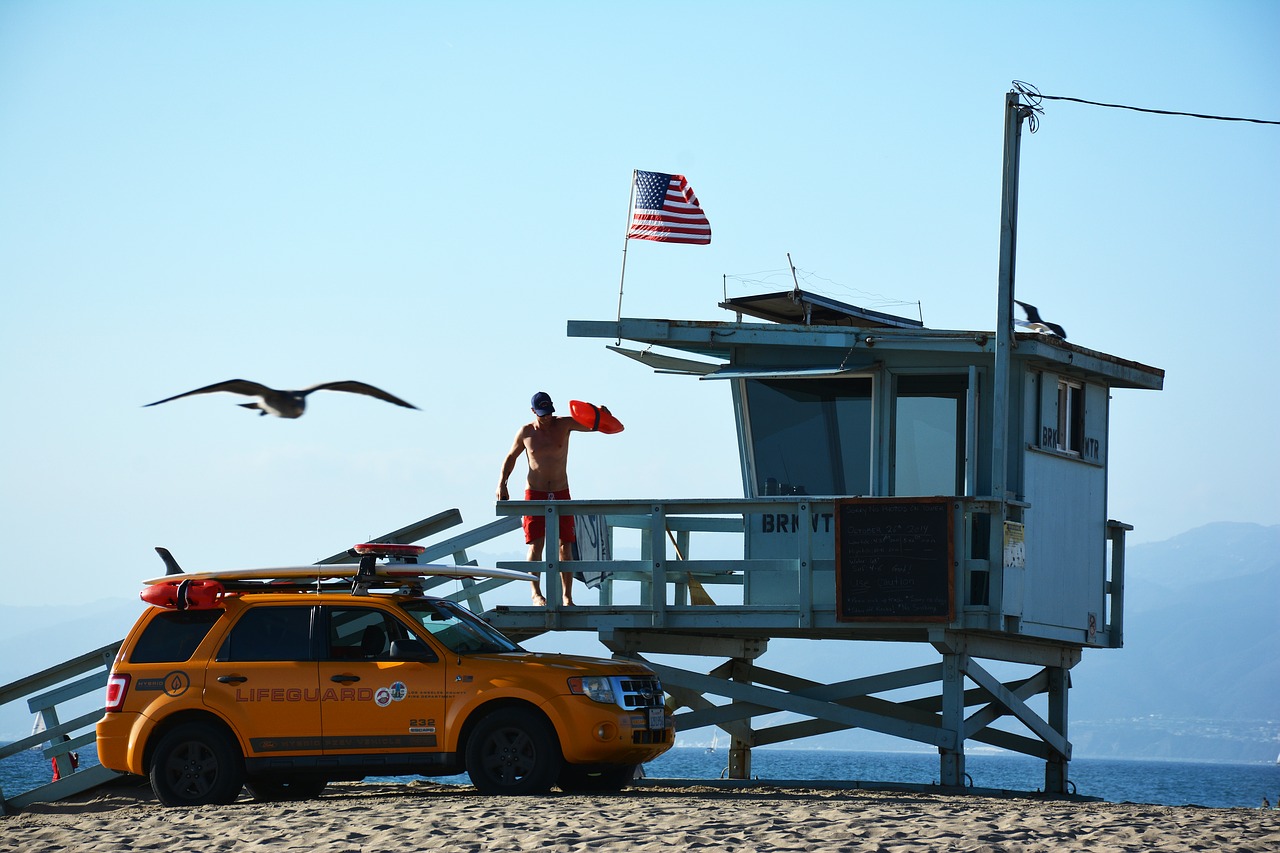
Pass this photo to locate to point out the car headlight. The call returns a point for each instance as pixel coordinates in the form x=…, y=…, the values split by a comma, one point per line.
x=597, y=688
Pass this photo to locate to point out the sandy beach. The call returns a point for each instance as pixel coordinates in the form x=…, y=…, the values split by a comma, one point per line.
x=657, y=816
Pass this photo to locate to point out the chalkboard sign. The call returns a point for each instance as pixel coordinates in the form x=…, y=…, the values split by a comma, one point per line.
x=894, y=560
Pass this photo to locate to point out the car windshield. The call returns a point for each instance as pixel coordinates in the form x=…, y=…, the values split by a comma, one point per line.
x=458, y=628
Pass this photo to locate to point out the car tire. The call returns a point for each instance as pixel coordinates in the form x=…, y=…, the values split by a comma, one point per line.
x=579, y=779
x=274, y=789
x=513, y=752
x=196, y=764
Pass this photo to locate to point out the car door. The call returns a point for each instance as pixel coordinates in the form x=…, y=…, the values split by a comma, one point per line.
x=370, y=702
x=264, y=681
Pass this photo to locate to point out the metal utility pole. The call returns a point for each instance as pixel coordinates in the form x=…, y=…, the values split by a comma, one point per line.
x=1014, y=113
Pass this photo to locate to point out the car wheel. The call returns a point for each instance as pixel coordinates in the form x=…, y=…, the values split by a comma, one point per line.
x=196, y=764
x=270, y=789
x=579, y=779
x=513, y=752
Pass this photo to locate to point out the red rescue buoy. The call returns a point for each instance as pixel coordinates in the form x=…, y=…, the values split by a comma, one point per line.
x=596, y=418
x=184, y=594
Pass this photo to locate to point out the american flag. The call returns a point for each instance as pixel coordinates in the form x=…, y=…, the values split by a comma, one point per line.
x=667, y=210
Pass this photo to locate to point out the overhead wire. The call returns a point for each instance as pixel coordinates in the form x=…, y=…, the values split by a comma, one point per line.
x=1033, y=109
x=1034, y=96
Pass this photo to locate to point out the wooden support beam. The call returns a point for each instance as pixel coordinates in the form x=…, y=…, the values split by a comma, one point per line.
x=1018, y=708
x=759, y=700
x=951, y=758
x=979, y=720
x=1055, y=768
x=624, y=642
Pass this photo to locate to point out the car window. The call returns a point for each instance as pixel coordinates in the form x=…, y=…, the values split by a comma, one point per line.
x=269, y=633
x=458, y=628
x=362, y=633
x=173, y=635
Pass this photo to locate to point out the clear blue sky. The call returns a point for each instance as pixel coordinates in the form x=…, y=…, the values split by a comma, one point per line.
x=420, y=195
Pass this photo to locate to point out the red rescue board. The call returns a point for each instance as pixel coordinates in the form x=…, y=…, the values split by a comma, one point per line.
x=596, y=418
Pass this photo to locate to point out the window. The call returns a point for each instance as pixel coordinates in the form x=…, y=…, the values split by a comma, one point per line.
x=457, y=628
x=929, y=435
x=1070, y=416
x=269, y=633
x=1066, y=433
x=810, y=436
x=362, y=633
x=173, y=635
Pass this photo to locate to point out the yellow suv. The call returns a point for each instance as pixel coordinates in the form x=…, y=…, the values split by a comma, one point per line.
x=283, y=685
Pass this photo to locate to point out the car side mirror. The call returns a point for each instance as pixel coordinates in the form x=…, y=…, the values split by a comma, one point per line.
x=412, y=649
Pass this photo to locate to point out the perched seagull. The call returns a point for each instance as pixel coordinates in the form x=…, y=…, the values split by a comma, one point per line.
x=1035, y=324
x=285, y=404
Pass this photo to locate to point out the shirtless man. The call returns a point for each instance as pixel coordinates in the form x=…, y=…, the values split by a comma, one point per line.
x=545, y=444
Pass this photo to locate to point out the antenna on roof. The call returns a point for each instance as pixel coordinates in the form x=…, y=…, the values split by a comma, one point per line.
x=796, y=296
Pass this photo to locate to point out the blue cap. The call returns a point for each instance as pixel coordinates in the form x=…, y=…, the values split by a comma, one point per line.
x=542, y=404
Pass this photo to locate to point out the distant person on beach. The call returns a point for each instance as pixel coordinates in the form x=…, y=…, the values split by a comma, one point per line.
x=544, y=443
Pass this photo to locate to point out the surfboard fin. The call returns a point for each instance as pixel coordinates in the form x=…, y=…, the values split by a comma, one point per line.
x=171, y=566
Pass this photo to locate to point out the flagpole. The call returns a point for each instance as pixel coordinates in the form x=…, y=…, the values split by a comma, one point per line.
x=631, y=199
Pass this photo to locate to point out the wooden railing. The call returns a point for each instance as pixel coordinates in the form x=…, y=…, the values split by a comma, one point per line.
x=45, y=692
x=670, y=566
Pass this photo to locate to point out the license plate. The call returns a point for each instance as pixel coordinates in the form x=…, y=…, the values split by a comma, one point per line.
x=657, y=719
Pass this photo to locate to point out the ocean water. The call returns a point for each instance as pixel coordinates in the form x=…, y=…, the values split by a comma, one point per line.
x=1171, y=783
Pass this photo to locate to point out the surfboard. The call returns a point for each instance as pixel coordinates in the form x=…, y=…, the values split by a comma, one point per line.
x=596, y=418
x=339, y=571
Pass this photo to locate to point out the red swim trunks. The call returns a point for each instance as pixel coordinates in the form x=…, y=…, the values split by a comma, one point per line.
x=535, y=526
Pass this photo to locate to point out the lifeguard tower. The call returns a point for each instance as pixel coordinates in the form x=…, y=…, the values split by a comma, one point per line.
x=871, y=448
x=901, y=483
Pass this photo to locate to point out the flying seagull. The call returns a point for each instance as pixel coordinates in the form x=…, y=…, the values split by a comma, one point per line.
x=285, y=404
x=1035, y=324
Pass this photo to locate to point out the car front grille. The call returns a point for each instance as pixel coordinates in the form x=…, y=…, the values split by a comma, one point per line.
x=639, y=692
